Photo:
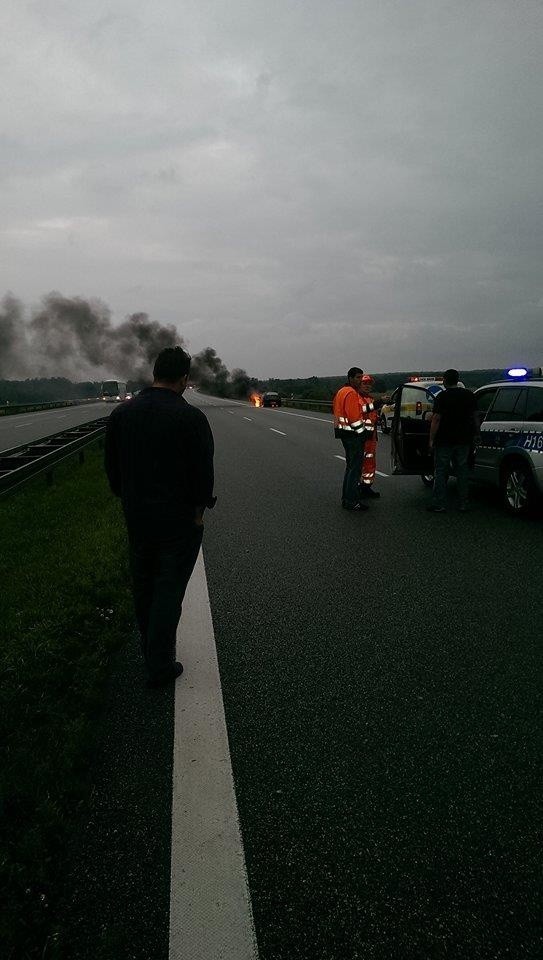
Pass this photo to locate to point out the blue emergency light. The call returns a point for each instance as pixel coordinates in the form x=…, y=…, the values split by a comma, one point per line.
x=524, y=373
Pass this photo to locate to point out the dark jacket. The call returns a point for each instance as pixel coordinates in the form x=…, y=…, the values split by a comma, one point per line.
x=159, y=461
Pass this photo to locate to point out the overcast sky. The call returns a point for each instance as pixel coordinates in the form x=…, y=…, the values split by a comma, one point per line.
x=301, y=185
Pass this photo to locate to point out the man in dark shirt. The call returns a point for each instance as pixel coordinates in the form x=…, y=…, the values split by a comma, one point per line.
x=159, y=461
x=451, y=435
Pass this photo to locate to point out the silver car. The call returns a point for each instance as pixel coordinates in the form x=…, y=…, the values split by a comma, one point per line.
x=508, y=453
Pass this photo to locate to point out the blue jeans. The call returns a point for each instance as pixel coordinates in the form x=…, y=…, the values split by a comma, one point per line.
x=354, y=455
x=458, y=455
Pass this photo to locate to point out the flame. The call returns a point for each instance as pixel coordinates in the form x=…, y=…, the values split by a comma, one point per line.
x=256, y=399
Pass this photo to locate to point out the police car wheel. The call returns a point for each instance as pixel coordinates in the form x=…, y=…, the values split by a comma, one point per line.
x=383, y=424
x=516, y=488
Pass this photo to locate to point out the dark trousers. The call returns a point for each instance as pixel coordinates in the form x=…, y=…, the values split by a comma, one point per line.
x=161, y=571
x=354, y=455
x=458, y=455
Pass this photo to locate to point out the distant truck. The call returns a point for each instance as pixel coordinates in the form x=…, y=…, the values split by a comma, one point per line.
x=113, y=391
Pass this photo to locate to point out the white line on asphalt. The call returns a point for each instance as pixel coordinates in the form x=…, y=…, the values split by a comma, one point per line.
x=273, y=430
x=250, y=419
x=338, y=457
x=210, y=905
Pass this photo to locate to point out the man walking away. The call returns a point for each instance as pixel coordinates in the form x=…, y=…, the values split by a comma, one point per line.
x=159, y=461
x=451, y=435
x=370, y=417
x=349, y=427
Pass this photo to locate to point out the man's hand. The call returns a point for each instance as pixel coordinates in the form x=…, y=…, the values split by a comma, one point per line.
x=199, y=516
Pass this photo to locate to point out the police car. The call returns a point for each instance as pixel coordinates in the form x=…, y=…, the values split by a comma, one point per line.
x=508, y=453
x=386, y=414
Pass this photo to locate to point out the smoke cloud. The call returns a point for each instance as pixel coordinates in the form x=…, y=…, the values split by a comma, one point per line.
x=75, y=338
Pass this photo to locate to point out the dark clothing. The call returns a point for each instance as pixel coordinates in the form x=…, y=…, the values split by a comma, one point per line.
x=160, y=574
x=457, y=455
x=456, y=407
x=354, y=456
x=159, y=461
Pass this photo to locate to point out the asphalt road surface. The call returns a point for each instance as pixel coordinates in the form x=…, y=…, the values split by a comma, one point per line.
x=19, y=428
x=381, y=675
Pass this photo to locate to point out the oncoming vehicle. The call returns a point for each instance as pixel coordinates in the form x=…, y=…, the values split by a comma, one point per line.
x=507, y=453
x=112, y=391
x=271, y=399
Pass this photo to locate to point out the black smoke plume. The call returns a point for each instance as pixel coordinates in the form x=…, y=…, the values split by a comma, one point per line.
x=75, y=338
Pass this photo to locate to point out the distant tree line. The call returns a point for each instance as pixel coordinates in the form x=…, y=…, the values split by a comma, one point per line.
x=209, y=373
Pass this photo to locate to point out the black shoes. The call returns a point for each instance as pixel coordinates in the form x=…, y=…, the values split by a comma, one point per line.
x=369, y=493
x=163, y=681
x=433, y=508
x=348, y=505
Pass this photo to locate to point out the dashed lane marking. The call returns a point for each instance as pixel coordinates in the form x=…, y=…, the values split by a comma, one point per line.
x=210, y=905
x=250, y=419
x=273, y=430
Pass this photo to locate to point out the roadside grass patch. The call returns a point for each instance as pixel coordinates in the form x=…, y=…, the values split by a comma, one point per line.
x=65, y=609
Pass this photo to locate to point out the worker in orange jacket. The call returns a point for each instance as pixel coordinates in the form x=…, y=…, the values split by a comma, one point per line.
x=370, y=418
x=350, y=428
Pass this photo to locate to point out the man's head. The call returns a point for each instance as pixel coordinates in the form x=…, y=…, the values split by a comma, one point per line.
x=354, y=376
x=451, y=378
x=172, y=368
x=367, y=383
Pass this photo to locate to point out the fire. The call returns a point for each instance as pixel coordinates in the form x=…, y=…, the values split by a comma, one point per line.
x=256, y=399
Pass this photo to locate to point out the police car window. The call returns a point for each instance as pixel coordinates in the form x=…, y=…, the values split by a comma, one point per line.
x=509, y=404
x=484, y=399
x=534, y=406
x=410, y=397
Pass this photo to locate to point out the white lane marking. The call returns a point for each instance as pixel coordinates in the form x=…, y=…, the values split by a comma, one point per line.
x=273, y=430
x=250, y=419
x=231, y=414
x=210, y=904
x=303, y=416
x=19, y=425
x=378, y=472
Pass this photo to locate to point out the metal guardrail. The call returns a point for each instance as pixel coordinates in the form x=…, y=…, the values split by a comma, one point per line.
x=325, y=405
x=8, y=409
x=19, y=464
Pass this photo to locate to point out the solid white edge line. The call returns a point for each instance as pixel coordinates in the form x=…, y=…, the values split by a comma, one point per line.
x=210, y=906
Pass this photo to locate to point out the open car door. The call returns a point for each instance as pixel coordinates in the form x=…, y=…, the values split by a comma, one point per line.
x=410, y=430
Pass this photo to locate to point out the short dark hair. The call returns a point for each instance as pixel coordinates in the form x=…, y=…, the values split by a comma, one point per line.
x=353, y=372
x=171, y=364
x=451, y=377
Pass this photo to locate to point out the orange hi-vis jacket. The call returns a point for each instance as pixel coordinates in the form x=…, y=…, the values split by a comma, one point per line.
x=349, y=418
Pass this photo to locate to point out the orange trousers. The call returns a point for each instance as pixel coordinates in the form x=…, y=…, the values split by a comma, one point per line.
x=369, y=463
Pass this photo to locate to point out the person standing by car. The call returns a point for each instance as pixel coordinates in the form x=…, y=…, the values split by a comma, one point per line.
x=371, y=417
x=452, y=430
x=159, y=461
x=349, y=427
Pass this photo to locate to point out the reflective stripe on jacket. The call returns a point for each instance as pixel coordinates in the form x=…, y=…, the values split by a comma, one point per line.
x=349, y=418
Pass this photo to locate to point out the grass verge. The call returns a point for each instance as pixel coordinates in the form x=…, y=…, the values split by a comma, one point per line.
x=64, y=610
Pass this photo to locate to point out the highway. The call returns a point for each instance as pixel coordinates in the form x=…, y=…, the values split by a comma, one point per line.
x=19, y=428
x=381, y=675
